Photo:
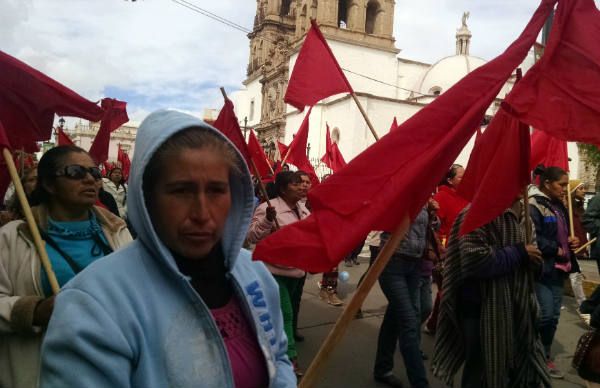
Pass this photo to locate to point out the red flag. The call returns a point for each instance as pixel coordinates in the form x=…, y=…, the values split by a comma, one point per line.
x=317, y=74
x=333, y=157
x=296, y=154
x=123, y=158
x=283, y=149
x=229, y=126
x=497, y=172
x=63, y=138
x=397, y=174
x=548, y=150
x=258, y=156
x=394, y=125
x=4, y=175
x=29, y=99
x=115, y=115
x=560, y=93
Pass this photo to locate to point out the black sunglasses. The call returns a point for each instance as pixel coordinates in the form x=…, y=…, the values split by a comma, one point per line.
x=76, y=171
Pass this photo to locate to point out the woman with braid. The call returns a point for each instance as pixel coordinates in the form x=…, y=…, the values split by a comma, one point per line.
x=489, y=310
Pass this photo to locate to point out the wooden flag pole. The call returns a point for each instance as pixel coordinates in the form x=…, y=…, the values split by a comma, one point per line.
x=587, y=244
x=570, y=203
x=261, y=185
x=527, y=215
x=364, y=114
x=338, y=331
x=37, y=238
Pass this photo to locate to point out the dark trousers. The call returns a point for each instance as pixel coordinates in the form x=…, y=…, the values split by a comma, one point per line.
x=473, y=370
x=400, y=284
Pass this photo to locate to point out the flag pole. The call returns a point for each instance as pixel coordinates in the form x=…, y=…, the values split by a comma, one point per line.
x=336, y=334
x=587, y=244
x=570, y=203
x=261, y=185
x=37, y=238
x=364, y=114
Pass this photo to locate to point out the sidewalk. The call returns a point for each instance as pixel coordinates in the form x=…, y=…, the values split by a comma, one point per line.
x=351, y=364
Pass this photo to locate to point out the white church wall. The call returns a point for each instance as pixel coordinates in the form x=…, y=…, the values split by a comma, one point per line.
x=248, y=102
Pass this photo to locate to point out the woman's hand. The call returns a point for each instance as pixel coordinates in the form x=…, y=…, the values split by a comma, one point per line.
x=271, y=213
x=535, y=256
x=573, y=243
x=43, y=312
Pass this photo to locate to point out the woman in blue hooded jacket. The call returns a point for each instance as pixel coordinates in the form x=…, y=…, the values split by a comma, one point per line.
x=183, y=305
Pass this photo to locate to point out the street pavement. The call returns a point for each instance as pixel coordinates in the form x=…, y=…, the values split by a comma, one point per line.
x=351, y=364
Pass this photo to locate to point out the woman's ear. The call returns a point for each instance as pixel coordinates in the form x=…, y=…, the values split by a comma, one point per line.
x=50, y=188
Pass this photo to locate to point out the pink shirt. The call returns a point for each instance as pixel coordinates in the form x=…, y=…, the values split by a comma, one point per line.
x=245, y=356
x=260, y=228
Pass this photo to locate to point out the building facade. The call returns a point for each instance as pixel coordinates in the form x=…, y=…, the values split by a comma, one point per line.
x=83, y=134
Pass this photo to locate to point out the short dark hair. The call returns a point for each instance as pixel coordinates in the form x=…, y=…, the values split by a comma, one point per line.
x=551, y=173
x=49, y=164
x=284, y=179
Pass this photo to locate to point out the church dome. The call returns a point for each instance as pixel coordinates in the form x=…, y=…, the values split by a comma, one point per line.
x=446, y=72
x=442, y=75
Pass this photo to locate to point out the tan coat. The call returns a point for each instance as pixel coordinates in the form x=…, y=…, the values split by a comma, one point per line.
x=21, y=291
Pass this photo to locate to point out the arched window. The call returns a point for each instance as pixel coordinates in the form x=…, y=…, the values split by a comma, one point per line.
x=435, y=91
x=285, y=7
x=342, y=13
x=373, y=10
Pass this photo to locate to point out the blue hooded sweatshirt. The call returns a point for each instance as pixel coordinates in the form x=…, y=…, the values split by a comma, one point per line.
x=132, y=319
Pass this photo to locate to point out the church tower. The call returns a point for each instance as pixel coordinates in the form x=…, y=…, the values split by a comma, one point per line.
x=279, y=30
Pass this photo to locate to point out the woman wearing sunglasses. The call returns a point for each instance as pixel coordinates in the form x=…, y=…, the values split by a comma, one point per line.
x=76, y=233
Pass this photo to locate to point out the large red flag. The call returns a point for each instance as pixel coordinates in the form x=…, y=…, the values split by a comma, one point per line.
x=497, y=172
x=548, y=150
x=317, y=74
x=123, y=158
x=397, y=174
x=229, y=126
x=62, y=138
x=29, y=99
x=333, y=157
x=258, y=156
x=560, y=93
x=115, y=115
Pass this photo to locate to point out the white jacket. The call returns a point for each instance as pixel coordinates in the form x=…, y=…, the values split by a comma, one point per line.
x=21, y=291
x=119, y=194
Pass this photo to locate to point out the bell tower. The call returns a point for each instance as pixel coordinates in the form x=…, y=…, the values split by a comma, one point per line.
x=279, y=29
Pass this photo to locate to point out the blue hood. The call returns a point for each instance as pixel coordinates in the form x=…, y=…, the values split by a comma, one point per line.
x=154, y=131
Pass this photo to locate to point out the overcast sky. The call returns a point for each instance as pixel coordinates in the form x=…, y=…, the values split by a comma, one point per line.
x=157, y=54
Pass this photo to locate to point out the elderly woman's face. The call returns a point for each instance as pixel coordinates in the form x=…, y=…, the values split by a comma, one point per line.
x=191, y=201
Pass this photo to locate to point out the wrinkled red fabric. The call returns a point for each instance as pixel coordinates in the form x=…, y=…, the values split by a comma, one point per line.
x=283, y=149
x=548, y=150
x=258, y=156
x=63, y=139
x=29, y=99
x=123, y=158
x=333, y=157
x=115, y=115
x=396, y=175
x=317, y=74
x=560, y=93
x=228, y=124
x=296, y=154
x=498, y=170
